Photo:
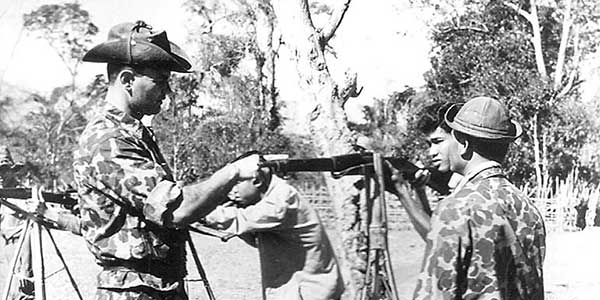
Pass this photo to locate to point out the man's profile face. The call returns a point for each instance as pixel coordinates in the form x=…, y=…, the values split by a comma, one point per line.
x=440, y=149
x=245, y=193
x=149, y=89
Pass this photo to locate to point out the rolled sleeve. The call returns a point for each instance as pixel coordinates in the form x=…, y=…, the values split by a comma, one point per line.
x=264, y=215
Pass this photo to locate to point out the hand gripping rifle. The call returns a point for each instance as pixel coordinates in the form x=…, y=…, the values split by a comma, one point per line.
x=379, y=277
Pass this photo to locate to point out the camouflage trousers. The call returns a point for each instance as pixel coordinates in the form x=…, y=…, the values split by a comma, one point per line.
x=141, y=293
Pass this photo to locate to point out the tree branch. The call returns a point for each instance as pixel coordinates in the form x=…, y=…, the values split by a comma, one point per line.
x=520, y=11
x=350, y=88
x=564, y=41
x=483, y=29
x=329, y=30
x=574, y=72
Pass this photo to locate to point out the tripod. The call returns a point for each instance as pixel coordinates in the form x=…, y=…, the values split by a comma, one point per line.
x=32, y=231
x=379, y=278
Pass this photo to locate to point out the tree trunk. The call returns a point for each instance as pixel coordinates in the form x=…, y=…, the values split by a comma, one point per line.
x=537, y=41
x=327, y=125
x=564, y=41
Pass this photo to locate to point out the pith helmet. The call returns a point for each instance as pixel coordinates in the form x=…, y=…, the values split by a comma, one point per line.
x=135, y=44
x=485, y=118
x=6, y=161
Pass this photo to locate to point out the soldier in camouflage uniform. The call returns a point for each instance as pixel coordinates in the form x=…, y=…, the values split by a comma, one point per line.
x=133, y=214
x=486, y=240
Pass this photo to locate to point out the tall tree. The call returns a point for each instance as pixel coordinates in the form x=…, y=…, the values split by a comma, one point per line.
x=499, y=50
x=67, y=28
x=47, y=138
x=327, y=124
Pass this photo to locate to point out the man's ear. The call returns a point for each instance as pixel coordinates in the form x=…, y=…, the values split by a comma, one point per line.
x=465, y=150
x=257, y=181
x=126, y=78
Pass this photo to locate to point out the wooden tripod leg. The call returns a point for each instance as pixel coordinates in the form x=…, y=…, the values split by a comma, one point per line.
x=15, y=258
x=209, y=291
x=37, y=260
x=59, y=254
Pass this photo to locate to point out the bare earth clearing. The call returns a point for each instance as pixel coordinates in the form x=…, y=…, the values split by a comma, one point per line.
x=233, y=271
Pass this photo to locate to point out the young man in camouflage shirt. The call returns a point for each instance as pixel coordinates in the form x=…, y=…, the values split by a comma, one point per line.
x=486, y=240
x=133, y=214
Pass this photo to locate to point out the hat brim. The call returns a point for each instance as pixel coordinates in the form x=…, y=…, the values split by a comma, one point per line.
x=143, y=52
x=482, y=133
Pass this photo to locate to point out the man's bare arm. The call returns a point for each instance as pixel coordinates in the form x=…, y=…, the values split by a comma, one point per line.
x=201, y=198
x=418, y=210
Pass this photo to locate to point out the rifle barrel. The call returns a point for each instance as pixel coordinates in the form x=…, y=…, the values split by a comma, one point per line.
x=350, y=164
x=25, y=193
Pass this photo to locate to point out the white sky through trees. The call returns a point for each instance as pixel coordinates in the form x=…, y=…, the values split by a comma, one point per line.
x=31, y=64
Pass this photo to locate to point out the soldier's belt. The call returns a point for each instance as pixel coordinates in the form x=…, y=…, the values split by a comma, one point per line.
x=161, y=269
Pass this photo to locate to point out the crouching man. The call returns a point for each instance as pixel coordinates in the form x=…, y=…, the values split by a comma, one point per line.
x=296, y=257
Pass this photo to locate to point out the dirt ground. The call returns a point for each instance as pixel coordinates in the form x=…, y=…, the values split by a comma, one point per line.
x=233, y=271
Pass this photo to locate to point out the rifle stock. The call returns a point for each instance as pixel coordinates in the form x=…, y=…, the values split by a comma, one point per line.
x=64, y=199
x=355, y=164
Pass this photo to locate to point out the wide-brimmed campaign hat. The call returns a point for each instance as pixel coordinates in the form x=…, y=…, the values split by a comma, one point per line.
x=485, y=118
x=135, y=44
x=6, y=161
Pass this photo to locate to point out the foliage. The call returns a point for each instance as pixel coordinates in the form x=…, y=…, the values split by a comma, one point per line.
x=48, y=136
x=67, y=28
x=203, y=139
x=47, y=143
x=386, y=125
x=495, y=58
x=215, y=114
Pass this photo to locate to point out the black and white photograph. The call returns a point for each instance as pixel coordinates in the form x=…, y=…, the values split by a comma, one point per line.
x=299, y=149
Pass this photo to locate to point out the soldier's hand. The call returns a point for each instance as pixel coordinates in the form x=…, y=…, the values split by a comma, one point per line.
x=40, y=208
x=395, y=181
x=247, y=167
x=421, y=178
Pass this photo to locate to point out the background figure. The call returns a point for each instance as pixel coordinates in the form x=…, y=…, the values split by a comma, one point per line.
x=296, y=257
x=11, y=229
x=581, y=208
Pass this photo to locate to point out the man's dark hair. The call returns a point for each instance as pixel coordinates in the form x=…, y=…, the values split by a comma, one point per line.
x=490, y=149
x=432, y=116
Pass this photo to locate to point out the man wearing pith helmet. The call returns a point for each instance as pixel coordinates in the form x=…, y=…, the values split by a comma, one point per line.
x=133, y=213
x=487, y=239
x=11, y=230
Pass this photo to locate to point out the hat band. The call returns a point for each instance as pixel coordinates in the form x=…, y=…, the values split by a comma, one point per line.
x=486, y=133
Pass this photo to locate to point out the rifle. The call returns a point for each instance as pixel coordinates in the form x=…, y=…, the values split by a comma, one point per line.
x=23, y=214
x=356, y=164
x=67, y=199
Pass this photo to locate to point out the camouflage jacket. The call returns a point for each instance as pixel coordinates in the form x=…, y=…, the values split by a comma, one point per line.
x=487, y=241
x=127, y=196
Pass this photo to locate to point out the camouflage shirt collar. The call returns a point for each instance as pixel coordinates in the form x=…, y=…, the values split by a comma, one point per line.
x=125, y=121
x=476, y=171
